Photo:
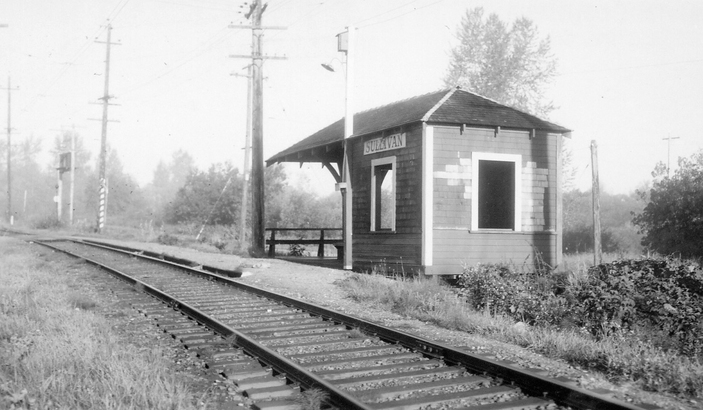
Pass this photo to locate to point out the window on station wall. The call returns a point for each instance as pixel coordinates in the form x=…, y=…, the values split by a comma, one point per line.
x=383, y=194
x=496, y=188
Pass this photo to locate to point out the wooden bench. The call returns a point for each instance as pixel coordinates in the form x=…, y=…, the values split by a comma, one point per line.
x=321, y=242
x=340, y=250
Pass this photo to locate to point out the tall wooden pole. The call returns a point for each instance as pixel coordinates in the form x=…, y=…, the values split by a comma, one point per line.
x=257, y=143
x=102, y=179
x=9, y=154
x=9, y=148
x=597, y=249
x=257, y=125
x=102, y=186
x=247, y=159
x=10, y=216
x=73, y=175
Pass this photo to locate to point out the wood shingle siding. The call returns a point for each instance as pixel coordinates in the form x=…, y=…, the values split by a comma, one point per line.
x=394, y=251
x=474, y=182
x=453, y=179
x=407, y=190
x=372, y=248
x=454, y=248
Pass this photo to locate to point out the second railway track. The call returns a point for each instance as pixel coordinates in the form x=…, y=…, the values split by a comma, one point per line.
x=358, y=364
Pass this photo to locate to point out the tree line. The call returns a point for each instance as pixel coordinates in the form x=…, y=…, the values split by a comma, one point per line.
x=179, y=192
x=35, y=186
x=666, y=216
x=508, y=62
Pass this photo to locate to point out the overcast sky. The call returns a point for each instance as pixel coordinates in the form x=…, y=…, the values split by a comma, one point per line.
x=630, y=73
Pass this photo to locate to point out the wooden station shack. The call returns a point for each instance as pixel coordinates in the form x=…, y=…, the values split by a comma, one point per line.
x=446, y=179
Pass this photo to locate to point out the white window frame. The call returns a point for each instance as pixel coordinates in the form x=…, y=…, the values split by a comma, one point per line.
x=490, y=156
x=374, y=164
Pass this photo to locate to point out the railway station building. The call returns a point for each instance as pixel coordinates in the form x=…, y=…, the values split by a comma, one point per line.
x=446, y=179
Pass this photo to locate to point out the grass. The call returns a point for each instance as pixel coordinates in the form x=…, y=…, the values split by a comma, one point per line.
x=619, y=357
x=56, y=353
x=312, y=399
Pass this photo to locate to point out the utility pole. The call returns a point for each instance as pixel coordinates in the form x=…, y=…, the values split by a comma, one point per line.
x=668, y=153
x=59, y=190
x=9, y=150
x=73, y=174
x=247, y=160
x=9, y=153
x=257, y=125
x=102, y=181
x=10, y=217
x=597, y=248
x=257, y=168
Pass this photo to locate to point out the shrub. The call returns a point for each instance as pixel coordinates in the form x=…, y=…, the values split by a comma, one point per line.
x=296, y=250
x=663, y=295
x=167, y=239
x=620, y=356
x=147, y=231
x=658, y=300
x=220, y=244
x=528, y=297
x=47, y=222
x=671, y=220
x=579, y=239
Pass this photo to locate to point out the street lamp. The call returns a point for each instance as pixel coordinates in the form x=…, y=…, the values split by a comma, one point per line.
x=328, y=67
x=345, y=44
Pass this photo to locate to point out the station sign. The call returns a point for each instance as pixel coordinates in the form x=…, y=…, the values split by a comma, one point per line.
x=386, y=143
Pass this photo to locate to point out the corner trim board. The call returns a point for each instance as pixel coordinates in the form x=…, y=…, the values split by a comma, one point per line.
x=427, y=195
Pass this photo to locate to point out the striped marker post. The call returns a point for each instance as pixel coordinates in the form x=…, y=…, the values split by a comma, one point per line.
x=102, y=198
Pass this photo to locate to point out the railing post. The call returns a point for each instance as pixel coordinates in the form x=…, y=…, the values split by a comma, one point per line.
x=272, y=244
x=321, y=247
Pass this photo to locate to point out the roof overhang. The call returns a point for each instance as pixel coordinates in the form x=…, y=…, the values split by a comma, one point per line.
x=449, y=107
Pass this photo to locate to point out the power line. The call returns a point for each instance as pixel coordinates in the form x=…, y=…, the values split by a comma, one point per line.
x=398, y=16
x=213, y=40
x=199, y=5
x=63, y=71
x=634, y=67
x=115, y=12
x=383, y=13
x=121, y=4
x=305, y=17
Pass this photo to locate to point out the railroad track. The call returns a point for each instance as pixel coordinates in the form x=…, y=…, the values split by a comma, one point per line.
x=275, y=347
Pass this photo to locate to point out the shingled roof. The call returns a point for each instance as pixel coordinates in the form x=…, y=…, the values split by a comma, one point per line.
x=453, y=106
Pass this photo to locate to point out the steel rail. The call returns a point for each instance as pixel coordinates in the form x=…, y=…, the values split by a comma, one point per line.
x=562, y=392
x=280, y=364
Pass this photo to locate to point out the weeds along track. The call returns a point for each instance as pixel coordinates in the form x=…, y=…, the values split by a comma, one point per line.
x=279, y=350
